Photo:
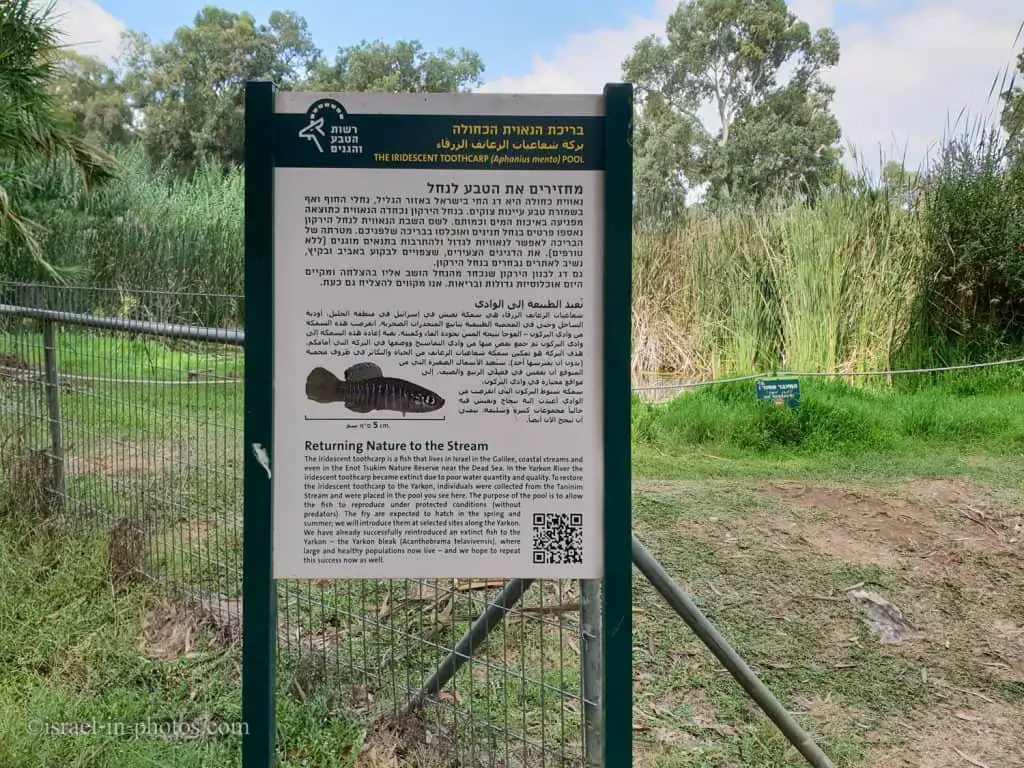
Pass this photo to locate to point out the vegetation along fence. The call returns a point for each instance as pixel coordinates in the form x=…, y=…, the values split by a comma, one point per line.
x=121, y=409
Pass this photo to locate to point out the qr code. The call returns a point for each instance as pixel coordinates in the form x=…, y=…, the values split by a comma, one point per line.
x=557, y=538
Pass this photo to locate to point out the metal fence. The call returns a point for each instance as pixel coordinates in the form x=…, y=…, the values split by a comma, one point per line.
x=128, y=410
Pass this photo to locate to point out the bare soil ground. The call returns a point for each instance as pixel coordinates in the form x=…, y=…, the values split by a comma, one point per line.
x=120, y=459
x=774, y=565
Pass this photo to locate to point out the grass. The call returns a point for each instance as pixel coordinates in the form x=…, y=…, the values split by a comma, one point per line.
x=824, y=288
x=888, y=428
x=168, y=454
x=781, y=603
x=770, y=516
x=729, y=538
x=925, y=271
x=135, y=446
x=71, y=655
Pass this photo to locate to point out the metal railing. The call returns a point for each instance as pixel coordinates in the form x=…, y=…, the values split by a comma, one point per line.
x=138, y=409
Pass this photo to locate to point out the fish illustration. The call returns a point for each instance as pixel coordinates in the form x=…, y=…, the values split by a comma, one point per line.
x=365, y=388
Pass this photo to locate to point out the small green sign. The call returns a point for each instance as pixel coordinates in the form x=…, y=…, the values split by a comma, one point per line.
x=781, y=392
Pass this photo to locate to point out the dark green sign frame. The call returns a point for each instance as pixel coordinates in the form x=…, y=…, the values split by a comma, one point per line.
x=270, y=143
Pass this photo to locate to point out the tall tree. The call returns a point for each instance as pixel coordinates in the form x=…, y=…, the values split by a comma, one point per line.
x=96, y=99
x=191, y=88
x=661, y=143
x=33, y=127
x=1013, y=105
x=730, y=55
x=403, y=67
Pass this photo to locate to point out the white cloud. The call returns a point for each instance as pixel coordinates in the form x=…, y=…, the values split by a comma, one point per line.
x=88, y=28
x=586, y=60
x=902, y=78
x=903, y=81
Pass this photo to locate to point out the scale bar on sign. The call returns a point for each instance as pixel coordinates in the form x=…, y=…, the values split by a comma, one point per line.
x=350, y=418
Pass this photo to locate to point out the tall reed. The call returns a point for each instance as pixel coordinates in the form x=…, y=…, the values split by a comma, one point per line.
x=827, y=287
x=855, y=280
x=148, y=230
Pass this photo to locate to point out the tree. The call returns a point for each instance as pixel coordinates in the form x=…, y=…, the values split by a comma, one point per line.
x=400, y=68
x=903, y=187
x=1013, y=106
x=33, y=127
x=96, y=99
x=660, y=144
x=730, y=54
x=191, y=88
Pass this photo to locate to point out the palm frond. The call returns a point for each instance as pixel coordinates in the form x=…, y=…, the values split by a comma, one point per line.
x=33, y=125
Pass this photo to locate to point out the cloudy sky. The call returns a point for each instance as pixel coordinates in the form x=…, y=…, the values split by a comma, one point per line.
x=907, y=69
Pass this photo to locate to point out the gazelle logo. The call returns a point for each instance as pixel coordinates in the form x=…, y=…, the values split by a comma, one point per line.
x=324, y=119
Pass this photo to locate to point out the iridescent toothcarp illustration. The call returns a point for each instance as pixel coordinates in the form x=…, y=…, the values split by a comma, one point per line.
x=365, y=388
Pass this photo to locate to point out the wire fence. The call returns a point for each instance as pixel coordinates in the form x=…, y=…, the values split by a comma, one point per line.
x=684, y=385
x=132, y=412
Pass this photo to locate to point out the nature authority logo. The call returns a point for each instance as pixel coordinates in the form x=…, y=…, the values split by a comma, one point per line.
x=327, y=121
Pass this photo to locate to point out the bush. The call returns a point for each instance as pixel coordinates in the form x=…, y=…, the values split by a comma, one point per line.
x=974, y=235
x=950, y=412
x=145, y=230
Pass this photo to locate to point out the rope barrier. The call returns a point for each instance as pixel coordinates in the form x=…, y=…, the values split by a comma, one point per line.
x=808, y=374
x=680, y=385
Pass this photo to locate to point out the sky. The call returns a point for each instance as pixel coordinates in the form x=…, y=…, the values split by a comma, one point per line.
x=907, y=68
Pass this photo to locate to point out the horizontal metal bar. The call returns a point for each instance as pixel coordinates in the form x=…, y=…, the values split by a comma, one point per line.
x=681, y=603
x=175, y=330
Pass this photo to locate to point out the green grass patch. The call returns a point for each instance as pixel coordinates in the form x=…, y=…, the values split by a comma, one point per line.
x=837, y=423
x=70, y=655
x=124, y=389
x=172, y=453
x=70, y=641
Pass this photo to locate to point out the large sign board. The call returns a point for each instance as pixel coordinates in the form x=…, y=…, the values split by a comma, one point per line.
x=437, y=348
x=438, y=316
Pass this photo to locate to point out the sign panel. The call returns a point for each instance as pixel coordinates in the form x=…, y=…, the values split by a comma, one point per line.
x=781, y=392
x=437, y=340
x=439, y=273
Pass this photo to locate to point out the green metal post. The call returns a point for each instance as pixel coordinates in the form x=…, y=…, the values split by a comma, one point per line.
x=591, y=632
x=53, y=412
x=617, y=635
x=705, y=630
x=259, y=593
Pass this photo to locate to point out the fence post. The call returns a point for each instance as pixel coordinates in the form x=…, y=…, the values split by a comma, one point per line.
x=53, y=410
x=593, y=677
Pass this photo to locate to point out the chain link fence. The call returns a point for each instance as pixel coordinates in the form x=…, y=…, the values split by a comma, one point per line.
x=123, y=409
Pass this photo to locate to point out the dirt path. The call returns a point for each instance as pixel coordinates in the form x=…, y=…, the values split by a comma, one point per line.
x=947, y=553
